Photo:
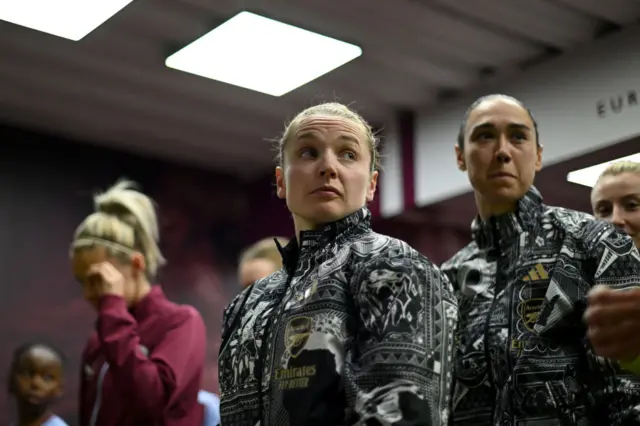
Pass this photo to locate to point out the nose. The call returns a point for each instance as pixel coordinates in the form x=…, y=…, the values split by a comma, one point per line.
x=618, y=217
x=37, y=382
x=328, y=167
x=502, y=150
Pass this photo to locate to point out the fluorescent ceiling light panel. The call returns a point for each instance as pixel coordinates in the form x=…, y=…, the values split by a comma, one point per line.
x=70, y=19
x=589, y=176
x=261, y=54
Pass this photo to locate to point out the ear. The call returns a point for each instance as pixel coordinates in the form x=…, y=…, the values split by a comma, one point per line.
x=373, y=184
x=540, y=149
x=460, y=157
x=281, y=186
x=138, y=262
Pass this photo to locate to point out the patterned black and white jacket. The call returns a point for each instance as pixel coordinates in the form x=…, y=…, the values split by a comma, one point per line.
x=523, y=357
x=356, y=329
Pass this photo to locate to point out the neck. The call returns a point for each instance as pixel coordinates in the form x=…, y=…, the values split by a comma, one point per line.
x=29, y=415
x=487, y=209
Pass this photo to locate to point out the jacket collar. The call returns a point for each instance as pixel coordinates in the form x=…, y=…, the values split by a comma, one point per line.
x=504, y=228
x=312, y=241
x=148, y=304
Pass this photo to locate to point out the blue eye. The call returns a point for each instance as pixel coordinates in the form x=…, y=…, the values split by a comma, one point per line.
x=350, y=155
x=307, y=152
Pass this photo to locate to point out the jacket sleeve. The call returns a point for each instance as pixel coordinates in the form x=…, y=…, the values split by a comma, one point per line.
x=154, y=379
x=399, y=369
x=615, y=392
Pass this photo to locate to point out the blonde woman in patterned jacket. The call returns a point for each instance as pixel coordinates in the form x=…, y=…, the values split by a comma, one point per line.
x=614, y=317
x=356, y=328
x=523, y=285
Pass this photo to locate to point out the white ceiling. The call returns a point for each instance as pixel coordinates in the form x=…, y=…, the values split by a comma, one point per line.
x=112, y=88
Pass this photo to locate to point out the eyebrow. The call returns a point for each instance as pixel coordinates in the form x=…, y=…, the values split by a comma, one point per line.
x=625, y=198
x=486, y=126
x=314, y=136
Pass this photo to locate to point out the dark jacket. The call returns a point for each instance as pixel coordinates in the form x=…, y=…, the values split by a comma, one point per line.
x=355, y=329
x=143, y=367
x=523, y=356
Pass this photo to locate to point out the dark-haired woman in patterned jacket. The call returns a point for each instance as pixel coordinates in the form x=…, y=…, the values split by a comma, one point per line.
x=523, y=286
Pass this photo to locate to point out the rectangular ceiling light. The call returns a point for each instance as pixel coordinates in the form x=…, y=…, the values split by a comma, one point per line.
x=70, y=19
x=261, y=54
x=589, y=176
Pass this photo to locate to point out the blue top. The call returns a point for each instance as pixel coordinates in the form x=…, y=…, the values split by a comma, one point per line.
x=52, y=421
x=55, y=421
x=211, y=404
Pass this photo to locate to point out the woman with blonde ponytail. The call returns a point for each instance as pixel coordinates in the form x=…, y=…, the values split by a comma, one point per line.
x=143, y=364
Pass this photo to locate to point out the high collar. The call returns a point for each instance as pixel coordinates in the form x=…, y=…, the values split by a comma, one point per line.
x=311, y=241
x=146, y=306
x=506, y=227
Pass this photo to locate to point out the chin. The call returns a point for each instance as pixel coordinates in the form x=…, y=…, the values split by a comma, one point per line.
x=327, y=213
x=506, y=193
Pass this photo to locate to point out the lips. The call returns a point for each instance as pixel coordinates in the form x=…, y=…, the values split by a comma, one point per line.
x=326, y=189
x=35, y=399
x=501, y=175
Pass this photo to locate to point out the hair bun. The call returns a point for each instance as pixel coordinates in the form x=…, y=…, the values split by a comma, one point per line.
x=122, y=200
x=112, y=208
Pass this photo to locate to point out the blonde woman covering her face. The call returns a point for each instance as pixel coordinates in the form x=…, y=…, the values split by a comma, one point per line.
x=356, y=328
x=143, y=363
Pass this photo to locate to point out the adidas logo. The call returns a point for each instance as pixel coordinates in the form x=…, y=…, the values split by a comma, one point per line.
x=536, y=274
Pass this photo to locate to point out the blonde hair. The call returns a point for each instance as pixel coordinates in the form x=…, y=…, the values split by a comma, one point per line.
x=331, y=109
x=124, y=222
x=620, y=167
x=264, y=249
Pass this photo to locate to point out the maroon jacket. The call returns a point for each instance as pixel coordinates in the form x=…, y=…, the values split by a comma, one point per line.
x=143, y=367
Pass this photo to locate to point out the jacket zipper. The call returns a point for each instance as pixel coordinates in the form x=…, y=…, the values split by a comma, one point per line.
x=487, y=354
x=282, y=302
x=487, y=328
x=98, y=401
